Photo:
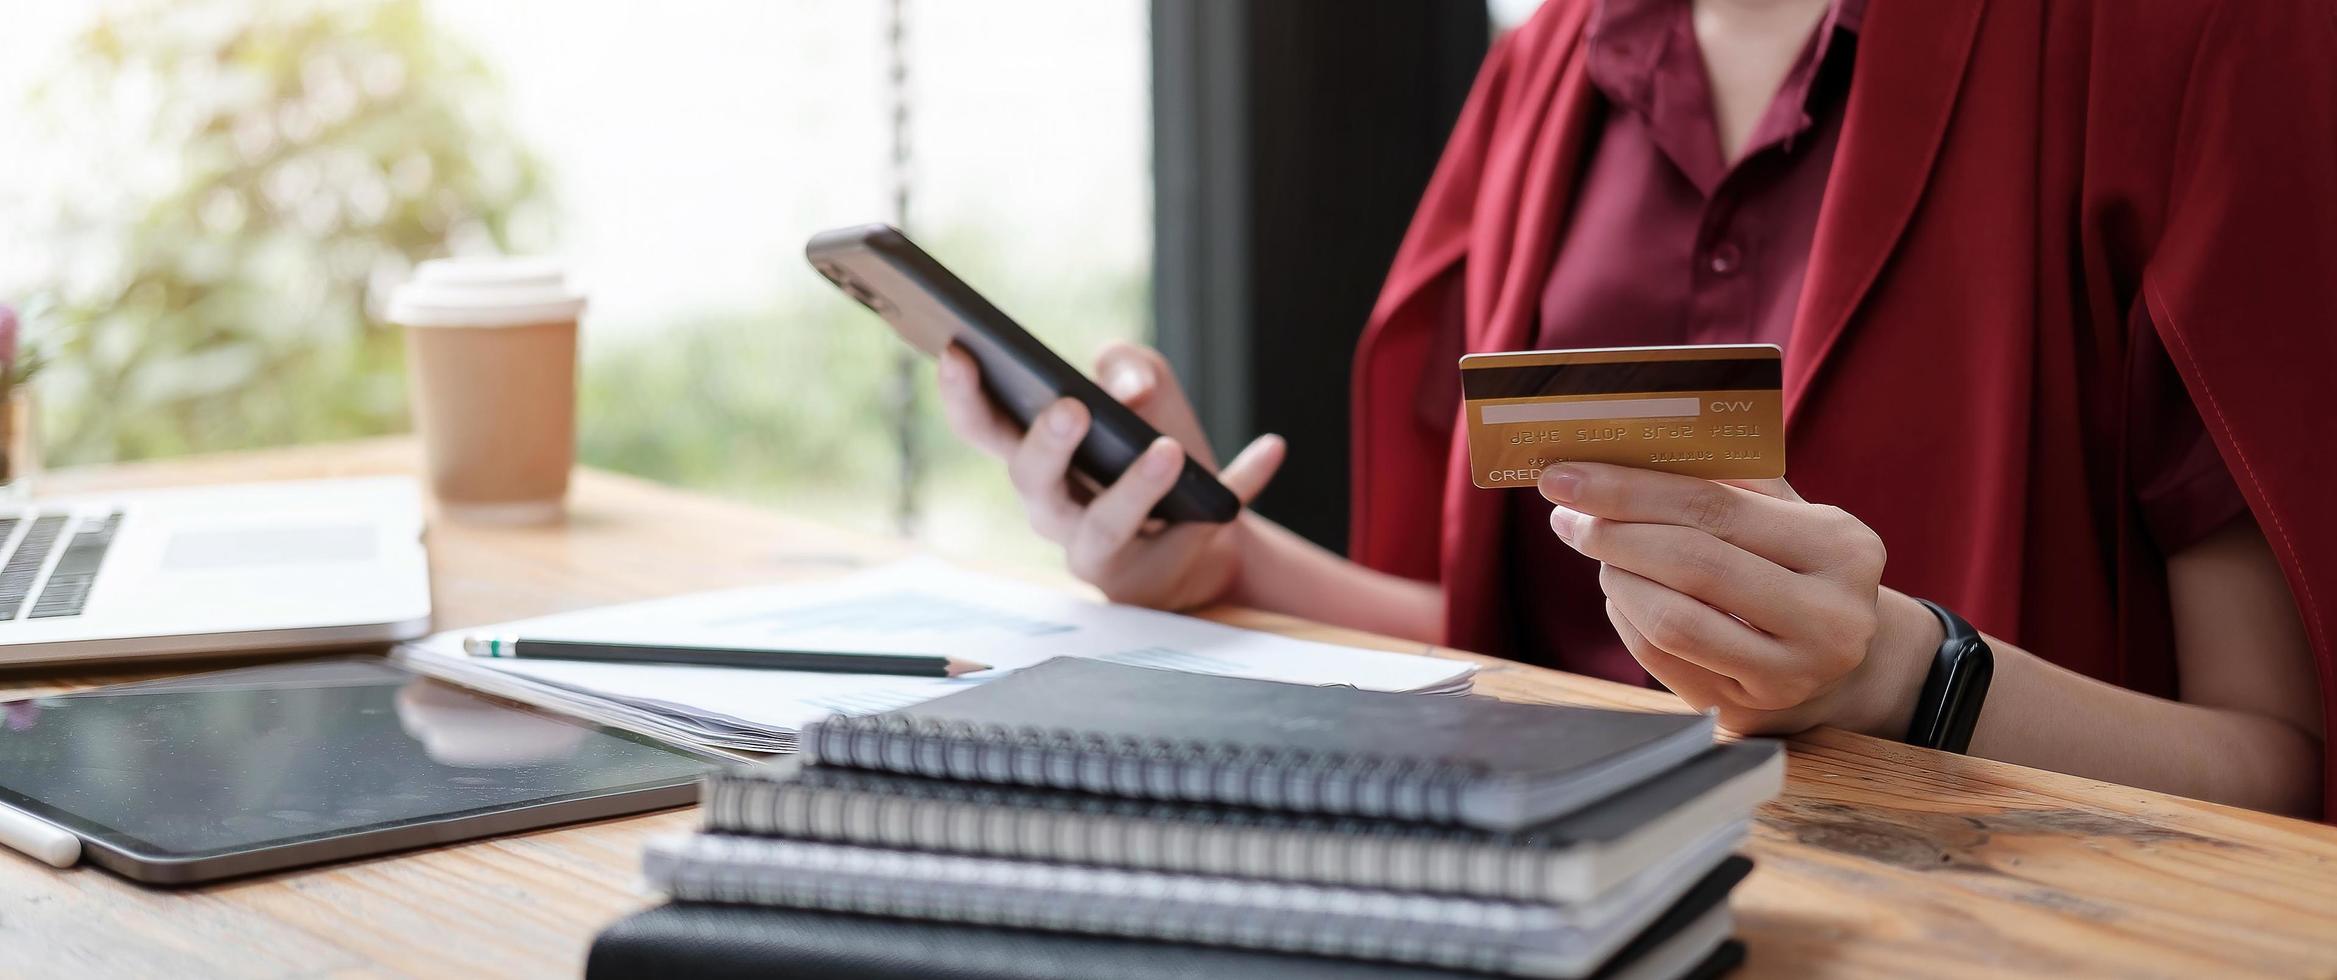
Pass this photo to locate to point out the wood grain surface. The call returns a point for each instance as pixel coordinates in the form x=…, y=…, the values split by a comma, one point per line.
x=1880, y=860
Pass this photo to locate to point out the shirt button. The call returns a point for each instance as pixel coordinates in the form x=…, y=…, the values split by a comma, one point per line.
x=1725, y=260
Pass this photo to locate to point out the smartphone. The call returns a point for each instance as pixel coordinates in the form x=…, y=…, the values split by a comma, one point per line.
x=933, y=309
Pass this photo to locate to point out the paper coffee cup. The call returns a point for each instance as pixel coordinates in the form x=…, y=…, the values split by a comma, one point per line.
x=491, y=365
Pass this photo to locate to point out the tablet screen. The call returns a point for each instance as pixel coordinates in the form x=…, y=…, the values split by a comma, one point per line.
x=263, y=756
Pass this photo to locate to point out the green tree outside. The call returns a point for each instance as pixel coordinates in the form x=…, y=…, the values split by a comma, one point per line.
x=254, y=168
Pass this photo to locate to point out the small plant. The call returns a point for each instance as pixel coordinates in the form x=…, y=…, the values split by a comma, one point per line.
x=18, y=363
x=20, y=359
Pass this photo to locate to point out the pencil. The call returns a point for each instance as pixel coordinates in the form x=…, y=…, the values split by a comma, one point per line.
x=818, y=661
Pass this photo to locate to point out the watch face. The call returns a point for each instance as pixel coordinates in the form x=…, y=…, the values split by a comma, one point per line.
x=1969, y=670
x=1948, y=709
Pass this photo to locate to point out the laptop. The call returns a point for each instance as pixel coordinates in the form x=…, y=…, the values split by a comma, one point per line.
x=208, y=570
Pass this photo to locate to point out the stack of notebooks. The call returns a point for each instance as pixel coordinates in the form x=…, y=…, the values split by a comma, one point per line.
x=1089, y=819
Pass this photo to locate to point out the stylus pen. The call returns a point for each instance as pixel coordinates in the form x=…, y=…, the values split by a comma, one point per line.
x=45, y=841
x=820, y=661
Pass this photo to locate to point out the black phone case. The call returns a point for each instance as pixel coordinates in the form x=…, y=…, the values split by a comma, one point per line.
x=932, y=309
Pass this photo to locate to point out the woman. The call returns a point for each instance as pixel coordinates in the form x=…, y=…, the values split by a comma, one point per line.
x=2057, y=288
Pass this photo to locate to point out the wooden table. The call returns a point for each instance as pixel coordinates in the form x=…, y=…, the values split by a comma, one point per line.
x=1880, y=859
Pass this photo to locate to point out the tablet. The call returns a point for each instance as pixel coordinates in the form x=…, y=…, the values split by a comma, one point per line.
x=217, y=775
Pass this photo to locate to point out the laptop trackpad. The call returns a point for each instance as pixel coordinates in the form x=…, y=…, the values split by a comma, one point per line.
x=324, y=544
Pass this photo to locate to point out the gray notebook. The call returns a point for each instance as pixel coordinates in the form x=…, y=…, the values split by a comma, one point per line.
x=1512, y=938
x=1159, y=734
x=1571, y=859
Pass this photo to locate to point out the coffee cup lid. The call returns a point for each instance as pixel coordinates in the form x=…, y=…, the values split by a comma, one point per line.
x=486, y=291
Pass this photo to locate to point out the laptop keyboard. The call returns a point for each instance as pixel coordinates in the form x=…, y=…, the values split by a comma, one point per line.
x=66, y=590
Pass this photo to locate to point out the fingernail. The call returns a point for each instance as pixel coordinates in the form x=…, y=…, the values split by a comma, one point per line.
x=1162, y=459
x=1061, y=421
x=1564, y=522
x=1559, y=483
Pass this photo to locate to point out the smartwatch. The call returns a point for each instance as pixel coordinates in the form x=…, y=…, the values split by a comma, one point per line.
x=1949, y=707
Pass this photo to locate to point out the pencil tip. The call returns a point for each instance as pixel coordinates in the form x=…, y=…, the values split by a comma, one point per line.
x=958, y=667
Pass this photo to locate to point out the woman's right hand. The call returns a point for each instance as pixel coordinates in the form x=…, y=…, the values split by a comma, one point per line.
x=1109, y=538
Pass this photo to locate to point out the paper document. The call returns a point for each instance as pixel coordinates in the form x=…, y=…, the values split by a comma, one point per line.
x=919, y=606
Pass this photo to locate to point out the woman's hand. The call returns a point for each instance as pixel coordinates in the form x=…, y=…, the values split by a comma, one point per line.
x=1109, y=538
x=1748, y=599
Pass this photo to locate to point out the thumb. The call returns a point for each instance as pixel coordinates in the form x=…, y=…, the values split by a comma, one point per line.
x=1250, y=471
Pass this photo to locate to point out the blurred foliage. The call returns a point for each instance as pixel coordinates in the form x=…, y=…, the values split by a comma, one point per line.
x=213, y=296
x=792, y=407
x=257, y=169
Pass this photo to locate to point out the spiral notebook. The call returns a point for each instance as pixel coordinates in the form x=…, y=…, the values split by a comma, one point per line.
x=1517, y=939
x=1571, y=859
x=1155, y=734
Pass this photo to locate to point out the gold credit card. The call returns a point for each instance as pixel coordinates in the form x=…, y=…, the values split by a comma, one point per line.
x=1714, y=412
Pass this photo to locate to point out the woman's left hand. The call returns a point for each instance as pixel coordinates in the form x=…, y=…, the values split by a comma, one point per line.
x=1747, y=598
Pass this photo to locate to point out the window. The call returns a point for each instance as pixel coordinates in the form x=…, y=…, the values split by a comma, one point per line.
x=208, y=192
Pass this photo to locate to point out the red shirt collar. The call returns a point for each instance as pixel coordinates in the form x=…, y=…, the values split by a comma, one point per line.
x=1644, y=59
x=1628, y=39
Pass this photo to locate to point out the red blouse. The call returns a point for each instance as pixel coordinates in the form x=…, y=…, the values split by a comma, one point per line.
x=2038, y=218
x=1669, y=243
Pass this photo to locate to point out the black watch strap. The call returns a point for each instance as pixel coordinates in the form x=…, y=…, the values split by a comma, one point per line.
x=1949, y=707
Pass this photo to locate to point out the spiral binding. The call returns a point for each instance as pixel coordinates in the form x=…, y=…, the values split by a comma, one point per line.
x=1453, y=933
x=1268, y=777
x=903, y=812
x=837, y=778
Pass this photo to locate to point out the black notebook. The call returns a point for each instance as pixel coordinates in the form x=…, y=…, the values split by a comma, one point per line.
x=738, y=942
x=1571, y=859
x=1158, y=734
x=720, y=942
